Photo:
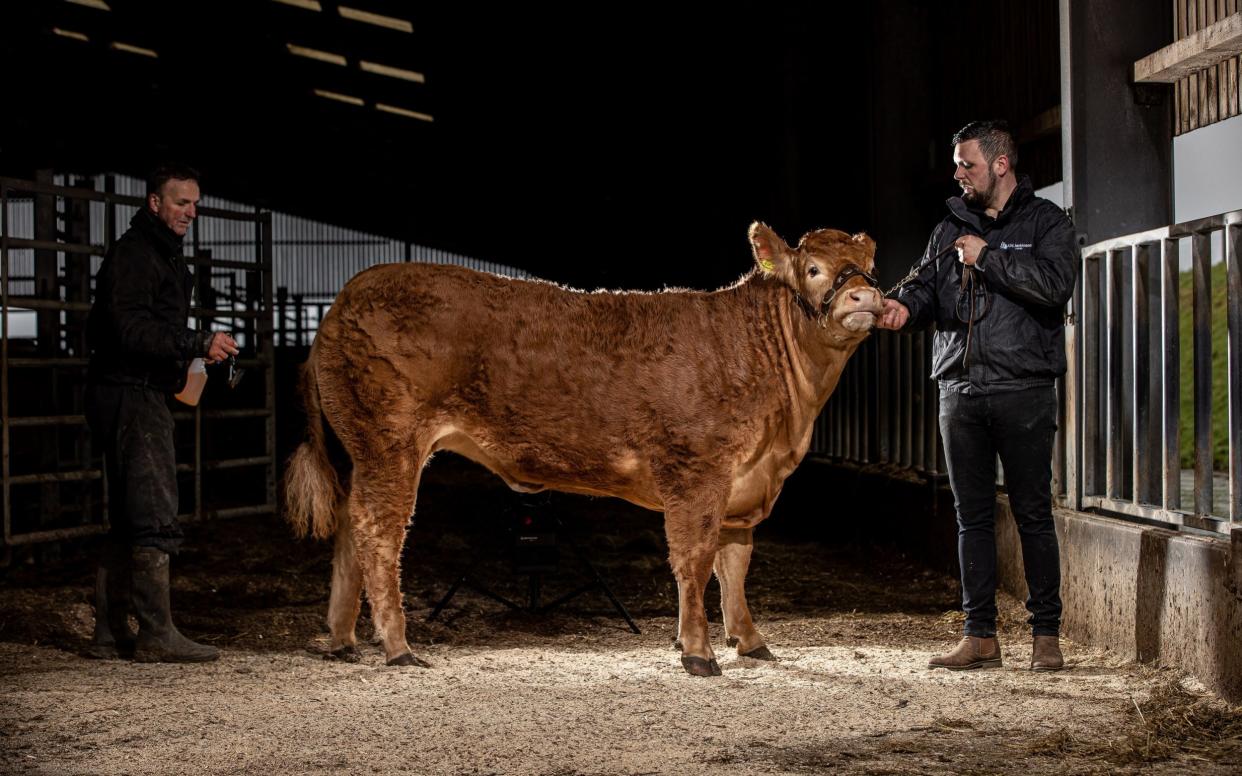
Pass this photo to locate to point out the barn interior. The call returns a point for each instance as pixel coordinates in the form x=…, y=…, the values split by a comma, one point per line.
x=630, y=146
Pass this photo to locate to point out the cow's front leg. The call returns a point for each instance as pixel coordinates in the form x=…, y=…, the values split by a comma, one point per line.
x=692, y=531
x=379, y=508
x=732, y=562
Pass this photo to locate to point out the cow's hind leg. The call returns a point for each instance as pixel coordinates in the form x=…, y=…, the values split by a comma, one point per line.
x=692, y=529
x=345, y=601
x=380, y=504
x=732, y=562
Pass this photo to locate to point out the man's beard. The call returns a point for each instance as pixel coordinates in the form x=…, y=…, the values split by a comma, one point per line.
x=982, y=197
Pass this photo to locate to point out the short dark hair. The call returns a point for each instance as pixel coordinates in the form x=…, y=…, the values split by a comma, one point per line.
x=994, y=138
x=169, y=172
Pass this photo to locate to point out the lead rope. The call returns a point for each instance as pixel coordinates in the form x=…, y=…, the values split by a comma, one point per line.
x=918, y=270
x=968, y=285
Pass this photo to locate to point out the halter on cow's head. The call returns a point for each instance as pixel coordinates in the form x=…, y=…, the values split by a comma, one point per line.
x=830, y=272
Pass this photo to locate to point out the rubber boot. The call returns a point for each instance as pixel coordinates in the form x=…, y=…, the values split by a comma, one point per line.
x=112, y=639
x=159, y=641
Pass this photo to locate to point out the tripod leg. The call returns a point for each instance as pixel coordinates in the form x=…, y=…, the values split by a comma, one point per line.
x=598, y=580
x=534, y=588
x=616, y=604
x=498, y=598
x=452, y=591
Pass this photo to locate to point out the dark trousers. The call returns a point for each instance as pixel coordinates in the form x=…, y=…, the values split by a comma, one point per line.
x=1018, y=426
x=134, y=427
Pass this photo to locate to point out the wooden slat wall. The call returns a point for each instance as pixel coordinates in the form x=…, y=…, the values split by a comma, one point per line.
x=1211, y=95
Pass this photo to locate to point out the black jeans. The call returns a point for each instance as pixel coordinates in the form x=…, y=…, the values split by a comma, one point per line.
x=1019, y=426
x=134, y=427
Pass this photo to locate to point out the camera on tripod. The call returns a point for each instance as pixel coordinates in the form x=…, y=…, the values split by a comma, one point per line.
x=533, y=528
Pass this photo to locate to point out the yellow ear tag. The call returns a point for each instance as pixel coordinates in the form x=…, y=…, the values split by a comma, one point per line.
x=766, y=265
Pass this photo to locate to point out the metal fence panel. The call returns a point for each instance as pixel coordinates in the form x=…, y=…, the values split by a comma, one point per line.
x=56, y=230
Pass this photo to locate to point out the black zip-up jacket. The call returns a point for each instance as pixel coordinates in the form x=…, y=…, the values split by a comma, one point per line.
x=1028, y=271
x=137, y=326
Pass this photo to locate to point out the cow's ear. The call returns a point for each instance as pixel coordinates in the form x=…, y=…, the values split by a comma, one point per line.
x=868, y=246
x=771, y=252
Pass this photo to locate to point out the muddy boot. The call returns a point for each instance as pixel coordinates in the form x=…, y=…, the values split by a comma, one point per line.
x=1046, y=654
x=971, y=652
x=159, y=641
x=112, y=639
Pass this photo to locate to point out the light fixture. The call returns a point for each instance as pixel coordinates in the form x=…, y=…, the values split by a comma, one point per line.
x=392, y=72
x=146, y=52
x=413, y=114
x=310, y=5
x=70, y=34
x=345, y=98
x=310, y=53
x=98, y=5
x=392, y=23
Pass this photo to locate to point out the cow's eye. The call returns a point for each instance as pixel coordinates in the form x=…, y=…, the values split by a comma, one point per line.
x=813, y=270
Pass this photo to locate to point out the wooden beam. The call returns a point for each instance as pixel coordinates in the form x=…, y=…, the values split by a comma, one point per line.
x=1046, y=123
x=1213, y=44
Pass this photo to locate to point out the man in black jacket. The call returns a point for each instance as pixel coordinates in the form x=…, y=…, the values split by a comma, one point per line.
x=999, y=347
x=140, y=349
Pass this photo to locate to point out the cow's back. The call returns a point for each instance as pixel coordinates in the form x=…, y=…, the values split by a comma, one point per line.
x=465, y=335
x=542, y=379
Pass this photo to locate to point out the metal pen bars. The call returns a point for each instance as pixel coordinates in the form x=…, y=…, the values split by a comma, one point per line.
x=1128, y=396
x=57, y=245
x=1118, y=444
x=885, y=408
x=315, y=260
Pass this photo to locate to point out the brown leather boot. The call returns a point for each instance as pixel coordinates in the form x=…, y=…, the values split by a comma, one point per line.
x=1046, y=654
x=971, y=652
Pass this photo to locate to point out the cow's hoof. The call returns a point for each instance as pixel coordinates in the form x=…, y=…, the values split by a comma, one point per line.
x=759, y=653
x=731, y=641
x=346, y=654
x=408, y=659
x=697, y=666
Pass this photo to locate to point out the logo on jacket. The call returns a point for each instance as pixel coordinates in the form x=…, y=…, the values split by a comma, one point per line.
x=1015, y=246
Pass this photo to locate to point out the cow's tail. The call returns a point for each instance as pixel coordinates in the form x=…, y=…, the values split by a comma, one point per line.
x=313, y=489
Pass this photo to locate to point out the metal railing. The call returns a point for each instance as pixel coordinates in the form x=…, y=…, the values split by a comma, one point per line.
x=885, y=408
x=1127, y=376
x=57, y=236
x=1118, y=447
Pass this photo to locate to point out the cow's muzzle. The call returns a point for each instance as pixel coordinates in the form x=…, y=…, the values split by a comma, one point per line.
x=857, y=308
x=860, y=309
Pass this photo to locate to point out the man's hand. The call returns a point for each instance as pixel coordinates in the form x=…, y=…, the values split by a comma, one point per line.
x=222, y=346
x=894, y=316
x=968, y=249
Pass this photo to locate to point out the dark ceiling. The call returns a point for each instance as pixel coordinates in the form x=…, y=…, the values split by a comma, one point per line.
x=627, y=145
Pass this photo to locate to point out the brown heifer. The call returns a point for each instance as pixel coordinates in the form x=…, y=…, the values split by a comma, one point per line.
x=695, y=404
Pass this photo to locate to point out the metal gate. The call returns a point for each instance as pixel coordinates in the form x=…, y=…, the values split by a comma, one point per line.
x=52, y=240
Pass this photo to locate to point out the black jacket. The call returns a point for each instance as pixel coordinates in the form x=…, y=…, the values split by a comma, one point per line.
x=1027, y=271
x=137, y=326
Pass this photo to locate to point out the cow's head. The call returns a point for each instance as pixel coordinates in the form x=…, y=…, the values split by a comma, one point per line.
x=830, y=271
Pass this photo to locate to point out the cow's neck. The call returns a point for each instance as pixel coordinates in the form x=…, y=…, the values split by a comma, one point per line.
x=815, y=356
x=812, y=359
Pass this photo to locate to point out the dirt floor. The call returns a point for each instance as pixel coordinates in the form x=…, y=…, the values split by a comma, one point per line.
x=571, y=691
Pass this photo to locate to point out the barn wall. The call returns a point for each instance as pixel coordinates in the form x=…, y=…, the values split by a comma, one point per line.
x=1147, y=593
